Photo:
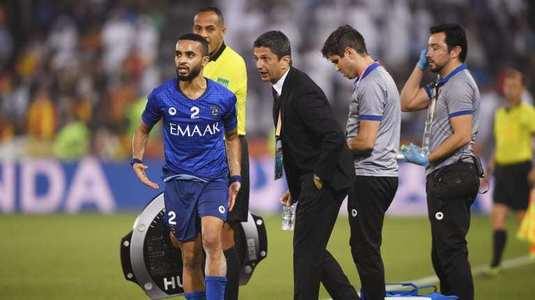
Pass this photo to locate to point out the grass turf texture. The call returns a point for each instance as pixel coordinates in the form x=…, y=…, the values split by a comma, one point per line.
x=77, y=257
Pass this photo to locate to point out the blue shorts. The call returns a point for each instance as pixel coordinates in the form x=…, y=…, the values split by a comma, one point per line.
x=187, y=201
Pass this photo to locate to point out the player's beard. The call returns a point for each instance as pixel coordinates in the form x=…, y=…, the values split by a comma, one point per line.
x=192, y=74
x=437, y=68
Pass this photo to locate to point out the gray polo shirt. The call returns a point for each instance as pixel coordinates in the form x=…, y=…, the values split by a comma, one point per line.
x=458, y=95
x=376, y=98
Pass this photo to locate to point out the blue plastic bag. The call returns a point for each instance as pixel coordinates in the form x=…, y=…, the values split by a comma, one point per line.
x=411, y=290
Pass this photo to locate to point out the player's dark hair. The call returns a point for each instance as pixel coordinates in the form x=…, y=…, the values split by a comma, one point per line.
x=343, y=37
x=215, y=10
x=455, y=36
x=277, y=41
x=196, y=38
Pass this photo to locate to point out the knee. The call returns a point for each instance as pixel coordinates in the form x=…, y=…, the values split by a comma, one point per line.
x=211, y=241
x=192, y=261
x=451, y=251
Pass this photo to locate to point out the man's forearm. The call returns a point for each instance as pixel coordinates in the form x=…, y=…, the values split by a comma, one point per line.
x=410, y=89
x=449, y=146
x=139, y=142
x=359, y=144
x=234, y=154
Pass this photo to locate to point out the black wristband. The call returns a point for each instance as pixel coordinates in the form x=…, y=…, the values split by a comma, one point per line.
x=234, y=178
x=135, y=161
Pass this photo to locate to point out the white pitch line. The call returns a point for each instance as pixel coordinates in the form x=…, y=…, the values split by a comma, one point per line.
x=479, y=270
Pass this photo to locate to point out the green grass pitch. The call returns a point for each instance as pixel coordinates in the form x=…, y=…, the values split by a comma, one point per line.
x=77, y=257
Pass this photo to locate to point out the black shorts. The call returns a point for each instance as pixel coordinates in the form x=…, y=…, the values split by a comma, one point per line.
x=511, y=186
x=241, y=208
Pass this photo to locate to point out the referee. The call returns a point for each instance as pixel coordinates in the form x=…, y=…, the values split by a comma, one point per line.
x=452, y=171
x=514, y=126
x=372, y=133
x=228, y=68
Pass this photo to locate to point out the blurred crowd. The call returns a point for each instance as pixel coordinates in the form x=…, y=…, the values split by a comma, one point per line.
x=74, y=75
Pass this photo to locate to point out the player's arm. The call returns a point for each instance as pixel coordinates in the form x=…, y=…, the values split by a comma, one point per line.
x=412, y=96
x=139, y=142
x=233, y=155
x=365, y=139
x=371, y=109
x=234, y=152
x=459, y=101
x=462, y=135
x=150, y=116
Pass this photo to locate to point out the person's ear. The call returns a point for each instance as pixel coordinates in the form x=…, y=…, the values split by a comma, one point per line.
x=205, y=60
x=287, y=60
x=455, y=52
x=348, y=51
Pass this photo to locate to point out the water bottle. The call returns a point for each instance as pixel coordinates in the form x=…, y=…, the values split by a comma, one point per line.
x=288, y=216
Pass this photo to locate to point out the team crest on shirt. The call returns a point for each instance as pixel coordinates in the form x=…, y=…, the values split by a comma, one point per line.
x=172, y=111
x=215, y=110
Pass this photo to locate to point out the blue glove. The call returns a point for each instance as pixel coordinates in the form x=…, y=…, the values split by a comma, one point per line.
x=415, y=155
x=422, y=60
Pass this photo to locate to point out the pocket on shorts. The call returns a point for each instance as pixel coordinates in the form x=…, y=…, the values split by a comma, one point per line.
x=457, y=181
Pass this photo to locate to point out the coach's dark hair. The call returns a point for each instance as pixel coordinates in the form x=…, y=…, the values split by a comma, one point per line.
x=215, y=10
x=455, y=36
x=196, y=38
x=277, y=41
x=343, y=37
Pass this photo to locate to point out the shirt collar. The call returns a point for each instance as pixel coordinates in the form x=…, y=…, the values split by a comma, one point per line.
x=455, y=71
x=367, y=71
x=218, y=53
x=279, y=84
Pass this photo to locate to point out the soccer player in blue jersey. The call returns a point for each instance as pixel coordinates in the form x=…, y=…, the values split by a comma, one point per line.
x=201, y=144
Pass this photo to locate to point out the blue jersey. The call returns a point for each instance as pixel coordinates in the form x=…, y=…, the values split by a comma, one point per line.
x=193, y=130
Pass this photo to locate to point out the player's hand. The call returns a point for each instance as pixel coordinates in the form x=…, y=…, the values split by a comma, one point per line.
x=233, y=190
x=422, y=63
x=286, y=199
x=531, y=177
x=415, y=155
x=139, y=169
x=317, y=182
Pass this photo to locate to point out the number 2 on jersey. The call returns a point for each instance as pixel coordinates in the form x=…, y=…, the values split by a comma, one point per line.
x=194, y=112
x=172, y=216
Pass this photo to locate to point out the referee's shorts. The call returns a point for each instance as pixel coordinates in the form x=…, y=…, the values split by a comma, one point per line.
x=241, y=208
x=511, y=185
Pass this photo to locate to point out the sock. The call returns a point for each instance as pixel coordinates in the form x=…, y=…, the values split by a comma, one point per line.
x=195, y=296
x=233, y=274
x=499, y=239
x=215, y=287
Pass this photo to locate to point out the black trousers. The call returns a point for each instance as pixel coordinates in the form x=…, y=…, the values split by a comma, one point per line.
x=451, y=190
x=368, y=201
x=315, y=217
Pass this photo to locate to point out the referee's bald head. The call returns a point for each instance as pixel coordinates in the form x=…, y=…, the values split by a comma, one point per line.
x=215, y=10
